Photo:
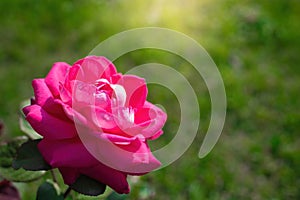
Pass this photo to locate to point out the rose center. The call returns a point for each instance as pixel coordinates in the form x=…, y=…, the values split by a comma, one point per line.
x=105, y=91
x=103, y=86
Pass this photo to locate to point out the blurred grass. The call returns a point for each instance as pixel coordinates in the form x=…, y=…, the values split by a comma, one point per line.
x=256, y=46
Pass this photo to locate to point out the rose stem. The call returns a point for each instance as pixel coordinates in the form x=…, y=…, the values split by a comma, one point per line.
x=53, y=176
x=67, y=192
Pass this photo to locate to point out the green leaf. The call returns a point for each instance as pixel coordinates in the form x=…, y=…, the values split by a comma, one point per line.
x=115, y=196
x=88, y=186
x=30, y=158
x=25, y=126
x=47, y=191
x=103, y=196
x=8, y=151
x=27, y=129
x=20, y=175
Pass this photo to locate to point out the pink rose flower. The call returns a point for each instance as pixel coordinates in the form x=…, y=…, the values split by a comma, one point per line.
x=95, y=121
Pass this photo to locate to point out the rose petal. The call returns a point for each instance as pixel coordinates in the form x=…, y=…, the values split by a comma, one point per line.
x=8, y=191
x=48, y=126
x=83, y=93
x=136, y=90
x=158, y=119
x=56, y=75
x=115, y=78
x=118, y=139
x=65, y=95
x=130, y=155
x=41, y=91
x=111, y=177
x=156, y=135
x=70, y=77
x=94, y=117
x=94, y=68
x=45, y=99
x=66, y=153
x=69, y=174
x=149, y=120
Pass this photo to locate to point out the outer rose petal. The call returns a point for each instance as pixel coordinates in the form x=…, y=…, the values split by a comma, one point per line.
x=156, y=114
x=94, y=68
x=68, y=153
x=130, y=155
x=156, y=135
x=70, y=77
x=56, y=75
x=102, y=173
x=111, y=177
x=45, y=99
x=69, y=174
x=47, y=125
x=41, y=91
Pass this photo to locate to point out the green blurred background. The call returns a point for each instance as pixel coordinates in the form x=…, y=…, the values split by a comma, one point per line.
x=256, y=46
